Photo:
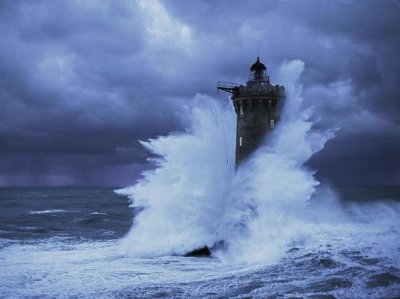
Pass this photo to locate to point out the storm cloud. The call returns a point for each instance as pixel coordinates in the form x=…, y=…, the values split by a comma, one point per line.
x=82, y=81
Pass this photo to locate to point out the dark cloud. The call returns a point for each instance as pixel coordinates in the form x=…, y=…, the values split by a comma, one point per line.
x=81, y=82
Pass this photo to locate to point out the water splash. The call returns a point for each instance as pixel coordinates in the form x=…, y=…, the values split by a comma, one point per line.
x=271, y=191
x=195, y=198
x=186, y=194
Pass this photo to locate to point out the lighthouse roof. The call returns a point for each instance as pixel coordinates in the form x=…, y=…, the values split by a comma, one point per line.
x=258, y=66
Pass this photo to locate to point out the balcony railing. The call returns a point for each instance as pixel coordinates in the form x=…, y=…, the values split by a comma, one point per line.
x=227, y=86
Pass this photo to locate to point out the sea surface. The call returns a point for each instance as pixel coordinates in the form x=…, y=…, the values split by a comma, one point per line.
x=286, y=234
x=66, y=243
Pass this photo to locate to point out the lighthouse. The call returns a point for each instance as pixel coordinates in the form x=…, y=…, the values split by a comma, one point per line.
x=258, y=106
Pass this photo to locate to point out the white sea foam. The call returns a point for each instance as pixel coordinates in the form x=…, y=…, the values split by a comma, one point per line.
x=195, y=198
x=51, y=211
x=187, y=194
x=98, y=213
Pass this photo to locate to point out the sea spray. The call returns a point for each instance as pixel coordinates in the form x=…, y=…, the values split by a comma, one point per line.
x=186, y=195
x=194, y=198
x=270, y=192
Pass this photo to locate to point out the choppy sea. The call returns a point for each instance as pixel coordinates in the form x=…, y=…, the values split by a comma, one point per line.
x=286, y=235
x=66, y=243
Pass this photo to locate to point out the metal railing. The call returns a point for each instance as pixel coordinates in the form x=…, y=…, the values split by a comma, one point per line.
x=229, y=85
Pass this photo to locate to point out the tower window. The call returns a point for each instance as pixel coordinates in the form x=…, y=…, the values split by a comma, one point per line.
x=241, y=112
x=240, y=141
x=272, y=124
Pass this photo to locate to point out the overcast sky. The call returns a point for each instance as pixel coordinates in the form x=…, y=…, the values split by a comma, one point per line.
x=82, y=81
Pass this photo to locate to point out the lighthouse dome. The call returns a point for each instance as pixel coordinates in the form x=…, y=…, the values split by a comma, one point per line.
x=258, y=72
x=258, y=66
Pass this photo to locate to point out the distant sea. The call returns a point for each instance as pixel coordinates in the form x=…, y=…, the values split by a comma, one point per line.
x=66, y=242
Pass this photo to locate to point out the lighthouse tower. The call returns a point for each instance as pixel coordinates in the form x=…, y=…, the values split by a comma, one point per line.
x=258, y=106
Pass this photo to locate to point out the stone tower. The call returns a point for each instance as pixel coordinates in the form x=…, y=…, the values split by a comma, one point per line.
x=258, y=106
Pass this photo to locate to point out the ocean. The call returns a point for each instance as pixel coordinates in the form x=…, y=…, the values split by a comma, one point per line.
x=66, y=243
x=286, y=234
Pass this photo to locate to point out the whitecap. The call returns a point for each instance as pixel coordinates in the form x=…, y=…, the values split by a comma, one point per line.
x=98, y=213
x=51, y=211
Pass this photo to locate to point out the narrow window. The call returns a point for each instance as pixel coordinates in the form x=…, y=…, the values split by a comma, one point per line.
x=241, y=110
x=272, y=123
x=240, y=141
